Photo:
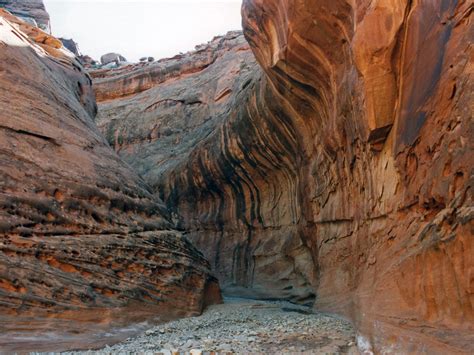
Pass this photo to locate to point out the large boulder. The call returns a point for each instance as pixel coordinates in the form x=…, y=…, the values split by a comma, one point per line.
x=112, y=58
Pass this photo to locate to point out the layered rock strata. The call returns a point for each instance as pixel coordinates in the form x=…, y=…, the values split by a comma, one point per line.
x=178, y=123
x=341, y=170
x=79, y=230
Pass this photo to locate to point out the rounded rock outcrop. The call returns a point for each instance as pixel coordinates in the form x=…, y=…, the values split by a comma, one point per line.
x=112, y=58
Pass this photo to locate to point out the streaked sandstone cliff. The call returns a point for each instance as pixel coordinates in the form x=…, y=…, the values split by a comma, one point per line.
x=184, y=124
x=80, y=233
x=339, y=172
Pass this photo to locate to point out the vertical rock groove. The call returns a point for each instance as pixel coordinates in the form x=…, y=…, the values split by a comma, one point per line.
x=362, y=181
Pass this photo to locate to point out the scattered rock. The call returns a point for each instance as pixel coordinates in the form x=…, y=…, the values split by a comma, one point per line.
x=237, y=326
x=88, y=62
x=147, y=59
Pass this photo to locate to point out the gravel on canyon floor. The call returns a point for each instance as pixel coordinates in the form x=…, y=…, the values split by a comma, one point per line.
x=245, y=326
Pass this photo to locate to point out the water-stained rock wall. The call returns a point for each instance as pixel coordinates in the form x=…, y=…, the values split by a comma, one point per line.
x=380, y=95
x=339, y=171
x=79, y=231
x=196, y=128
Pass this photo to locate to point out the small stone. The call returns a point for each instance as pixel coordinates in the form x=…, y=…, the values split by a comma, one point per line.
x=189, y=344
x=225, y=347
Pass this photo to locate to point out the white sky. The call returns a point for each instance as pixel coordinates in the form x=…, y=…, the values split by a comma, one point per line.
x=139, y=28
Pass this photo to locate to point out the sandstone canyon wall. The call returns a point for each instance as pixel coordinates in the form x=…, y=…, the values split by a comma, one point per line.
x=184, y=125
x=80, y=232
x=338, y=171
x=380, y=95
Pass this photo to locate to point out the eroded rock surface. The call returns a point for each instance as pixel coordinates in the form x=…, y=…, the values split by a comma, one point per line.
x=71, y=45
x=178, y=123
x=79, y=230
x=342, y=169
x=30, y=11
x=379, y=95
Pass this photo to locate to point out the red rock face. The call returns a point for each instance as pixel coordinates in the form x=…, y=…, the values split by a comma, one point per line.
x=340, y=172
x=79, y=231
x=379, y=95
x=188, y=127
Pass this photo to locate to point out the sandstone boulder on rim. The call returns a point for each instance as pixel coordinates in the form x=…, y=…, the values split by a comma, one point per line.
x=80, y=233
x=112, y=57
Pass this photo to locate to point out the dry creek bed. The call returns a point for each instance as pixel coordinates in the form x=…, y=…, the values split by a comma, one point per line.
x=245, y=327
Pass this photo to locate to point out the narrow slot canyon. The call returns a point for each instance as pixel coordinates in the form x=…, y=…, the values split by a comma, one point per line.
x=314, y=171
